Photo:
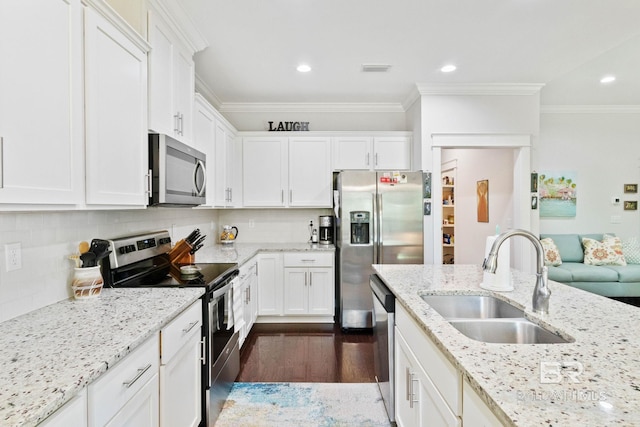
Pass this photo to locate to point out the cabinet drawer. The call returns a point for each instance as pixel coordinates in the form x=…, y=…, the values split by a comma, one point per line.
x=177, y=333
x=111, y=392
x=308, y=259
x=445, y=377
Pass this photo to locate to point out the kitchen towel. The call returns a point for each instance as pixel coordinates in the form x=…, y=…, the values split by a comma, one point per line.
x=501, y=279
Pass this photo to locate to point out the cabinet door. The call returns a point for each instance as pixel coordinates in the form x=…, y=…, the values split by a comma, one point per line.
x=270, y=289
x=204, y=138
x=296, y=290
x=161, y=77
x=226, y=163
x=310, y=176
x=405, y=366
x=352, y=153
x=116, y=115
x=184, y=87
x=73, y=413
x=264, y=171
x=41, y=105
x=141, y=410
x=321, y=291
x=475, y=412
x=392, y=153
x=180, y=387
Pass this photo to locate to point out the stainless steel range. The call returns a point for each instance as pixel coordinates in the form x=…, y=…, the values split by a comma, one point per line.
x=142, y=260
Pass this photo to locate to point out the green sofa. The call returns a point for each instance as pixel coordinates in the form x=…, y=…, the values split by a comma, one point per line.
x=605, y=280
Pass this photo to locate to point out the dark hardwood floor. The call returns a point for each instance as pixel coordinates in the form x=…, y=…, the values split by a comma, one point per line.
x=306, y=353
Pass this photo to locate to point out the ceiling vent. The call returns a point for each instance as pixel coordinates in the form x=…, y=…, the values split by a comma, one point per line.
x=375, y=68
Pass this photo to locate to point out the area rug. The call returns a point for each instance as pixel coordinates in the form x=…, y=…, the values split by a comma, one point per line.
x=303, y=404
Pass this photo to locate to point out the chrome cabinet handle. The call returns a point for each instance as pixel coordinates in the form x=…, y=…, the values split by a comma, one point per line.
x=181, y=124
x=176, y=123
x=190, y=327
x=149, y=182
x=230, y=194
x=290, y=196
x=282, y=196
x=376, y=157
x=408, y=383
x=203, y=351
x=310, y=279
x=140, y=373
x=367, y=158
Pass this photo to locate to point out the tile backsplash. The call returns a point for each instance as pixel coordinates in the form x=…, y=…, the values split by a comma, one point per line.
x=48, y=238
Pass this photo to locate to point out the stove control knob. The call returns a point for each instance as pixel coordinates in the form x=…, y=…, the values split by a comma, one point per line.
x=122, y=250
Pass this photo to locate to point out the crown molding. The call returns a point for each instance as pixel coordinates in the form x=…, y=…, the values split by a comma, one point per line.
x=206, y=92
x=181, y=24
x=487, y=89
x=590, y=109
x=310, y=107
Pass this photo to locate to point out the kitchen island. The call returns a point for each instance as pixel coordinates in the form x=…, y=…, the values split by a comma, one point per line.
x=49, y=355
x=604, y=391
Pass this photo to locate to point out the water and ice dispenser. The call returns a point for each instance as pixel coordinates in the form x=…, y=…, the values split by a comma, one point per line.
x=360, y=221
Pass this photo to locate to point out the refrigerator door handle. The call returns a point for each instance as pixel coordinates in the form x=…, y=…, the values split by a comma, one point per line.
x=378, y=225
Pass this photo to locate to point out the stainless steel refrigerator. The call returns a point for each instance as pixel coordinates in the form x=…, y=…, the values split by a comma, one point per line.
x=379, y=221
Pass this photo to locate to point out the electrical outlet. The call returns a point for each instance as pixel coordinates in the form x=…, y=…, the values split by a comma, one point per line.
x=13, y=255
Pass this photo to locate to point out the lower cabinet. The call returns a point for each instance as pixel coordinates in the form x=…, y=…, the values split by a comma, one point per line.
x=429, y=390
x=127, y=394
x=245, y=299
x=270, y=290
x=73, y=413
x=308, y=291
x=180, y=369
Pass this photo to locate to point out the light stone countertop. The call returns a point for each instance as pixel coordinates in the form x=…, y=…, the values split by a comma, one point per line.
x=48, y=355
x=508, y=377
x=243, y=252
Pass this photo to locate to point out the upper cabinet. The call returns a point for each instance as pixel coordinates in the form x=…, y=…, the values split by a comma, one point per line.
x=41, y=104
x=227, y=168
x=391, y=152
x=171, y=81
x=286, y=172
x=116, y=114
x=204, y=137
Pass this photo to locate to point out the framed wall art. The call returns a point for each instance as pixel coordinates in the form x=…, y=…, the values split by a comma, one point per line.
x=630, y=205
x=631, y=188
x=482, y=190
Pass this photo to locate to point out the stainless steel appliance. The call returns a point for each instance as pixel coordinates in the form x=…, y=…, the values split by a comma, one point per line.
x=379, y=221
x=384, y=308
x=142, y=260
x=178, y=173
x=326, y=230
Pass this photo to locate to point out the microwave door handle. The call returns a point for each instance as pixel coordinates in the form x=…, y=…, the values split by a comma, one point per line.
x=200, y=165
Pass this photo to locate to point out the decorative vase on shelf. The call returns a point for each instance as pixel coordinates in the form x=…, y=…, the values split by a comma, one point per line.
x=87, y=282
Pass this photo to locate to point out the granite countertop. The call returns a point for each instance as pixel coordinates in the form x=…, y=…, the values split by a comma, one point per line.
x=243, y=252
x=508, y=376
x=48, y=355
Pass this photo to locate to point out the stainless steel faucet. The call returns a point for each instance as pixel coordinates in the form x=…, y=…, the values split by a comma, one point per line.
x=541, y=292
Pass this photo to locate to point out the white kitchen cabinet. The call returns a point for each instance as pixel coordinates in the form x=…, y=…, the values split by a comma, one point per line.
x=309, y=284
x=171, y=81
x=127, y=394
x=204, y=139
x=227, y=162
x=73, y=413
x=264, y=172
x=180, y=369
x=428, y=387
x=116, y=115
x=310, y=175
x=475, y=412
x=270, y=289
x=391, y=152
x=41, y=104
x=245, y=299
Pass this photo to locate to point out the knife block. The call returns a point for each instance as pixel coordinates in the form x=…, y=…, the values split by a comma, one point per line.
x=181, y=253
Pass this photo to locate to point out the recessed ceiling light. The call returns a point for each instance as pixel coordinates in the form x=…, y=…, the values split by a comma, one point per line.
x=608, y=79
x=375, y=68
x=303, y=68
x=448, y=68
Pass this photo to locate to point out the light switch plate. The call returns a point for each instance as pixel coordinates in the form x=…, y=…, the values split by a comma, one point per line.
x=13, y=256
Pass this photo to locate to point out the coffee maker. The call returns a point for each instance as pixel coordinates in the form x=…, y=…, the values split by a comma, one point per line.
x=326, y=230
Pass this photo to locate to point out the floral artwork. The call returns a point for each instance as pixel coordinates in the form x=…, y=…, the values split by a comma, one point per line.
x=557, y=194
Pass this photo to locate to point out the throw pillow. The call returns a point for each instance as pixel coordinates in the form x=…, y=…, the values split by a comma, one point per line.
x=551, y=252
x=607, y=252
x=631, y=250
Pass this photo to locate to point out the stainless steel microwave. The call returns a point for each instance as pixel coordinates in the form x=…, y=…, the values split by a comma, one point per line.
x=178, y=172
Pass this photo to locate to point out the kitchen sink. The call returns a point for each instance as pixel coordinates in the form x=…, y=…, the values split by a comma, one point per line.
x=471, y=307
x=507, y=331
x=489, y=319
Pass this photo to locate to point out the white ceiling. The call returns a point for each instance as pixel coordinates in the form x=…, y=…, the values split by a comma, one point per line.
x=568, y=45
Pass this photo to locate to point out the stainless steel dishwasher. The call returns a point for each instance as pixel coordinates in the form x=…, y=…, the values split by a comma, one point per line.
x=384, y=306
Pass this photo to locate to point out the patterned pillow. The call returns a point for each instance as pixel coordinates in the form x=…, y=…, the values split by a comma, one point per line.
x=551, y=252
x=607, y=252
x=631, y=250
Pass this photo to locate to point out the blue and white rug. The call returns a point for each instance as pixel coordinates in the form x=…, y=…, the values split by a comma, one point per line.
x=303, y=405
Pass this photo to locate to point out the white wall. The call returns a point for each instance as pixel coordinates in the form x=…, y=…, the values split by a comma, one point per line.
x=474, y=165
x=48, y=238
x=604, y=149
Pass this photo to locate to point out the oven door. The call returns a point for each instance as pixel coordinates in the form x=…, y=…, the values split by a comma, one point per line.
x=224, y=352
